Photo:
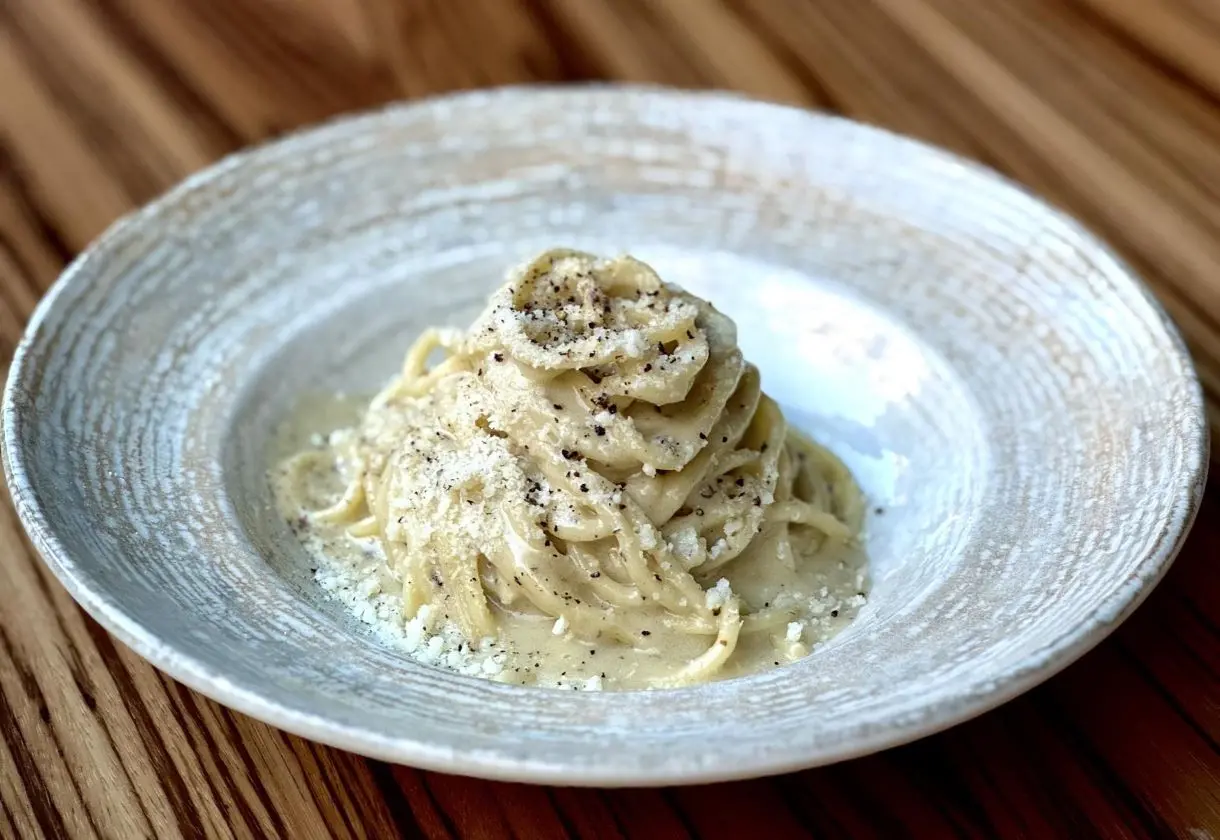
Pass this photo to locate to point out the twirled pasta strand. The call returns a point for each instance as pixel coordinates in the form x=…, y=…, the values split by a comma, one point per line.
x=593, y=450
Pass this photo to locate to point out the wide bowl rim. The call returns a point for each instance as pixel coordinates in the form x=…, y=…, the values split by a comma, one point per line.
x=939, y=714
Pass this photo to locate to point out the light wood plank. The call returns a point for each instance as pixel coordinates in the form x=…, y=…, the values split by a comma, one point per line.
x=80, y=196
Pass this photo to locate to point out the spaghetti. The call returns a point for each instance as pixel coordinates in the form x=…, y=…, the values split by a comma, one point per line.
x=595, y=457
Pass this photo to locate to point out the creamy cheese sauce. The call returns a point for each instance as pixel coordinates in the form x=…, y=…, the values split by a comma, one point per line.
x=588, y=491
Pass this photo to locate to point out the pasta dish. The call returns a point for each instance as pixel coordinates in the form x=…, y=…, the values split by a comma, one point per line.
x=587, y=488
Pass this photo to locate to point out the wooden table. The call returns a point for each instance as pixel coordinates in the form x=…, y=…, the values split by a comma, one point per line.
x=1108, y=107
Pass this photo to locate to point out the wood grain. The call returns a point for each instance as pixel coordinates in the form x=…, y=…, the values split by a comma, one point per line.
x=1110, y=108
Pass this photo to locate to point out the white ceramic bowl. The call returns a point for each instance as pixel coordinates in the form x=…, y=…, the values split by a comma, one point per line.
x=1005, y=390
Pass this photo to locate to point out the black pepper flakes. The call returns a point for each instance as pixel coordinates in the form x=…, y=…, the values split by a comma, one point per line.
x=645, y=632
x=740, y=482
x=600, y=431
x=557, y=406
x=702, y=436
x=647, y=367
x=499, y=357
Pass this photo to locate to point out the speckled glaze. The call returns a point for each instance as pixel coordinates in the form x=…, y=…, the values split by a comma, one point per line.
x=1018, y=409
